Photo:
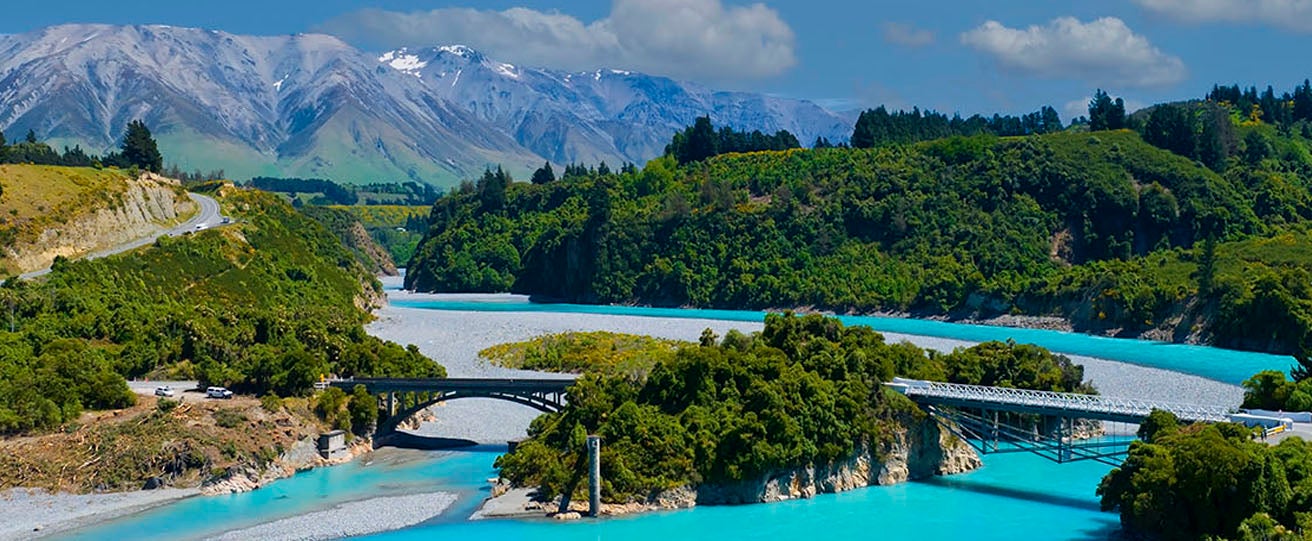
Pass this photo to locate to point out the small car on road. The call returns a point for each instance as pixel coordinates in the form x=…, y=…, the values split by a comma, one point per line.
x=201, y=226
x=218, y=392
x=164, y=390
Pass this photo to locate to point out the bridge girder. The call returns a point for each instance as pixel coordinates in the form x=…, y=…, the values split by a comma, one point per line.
x=547, y=396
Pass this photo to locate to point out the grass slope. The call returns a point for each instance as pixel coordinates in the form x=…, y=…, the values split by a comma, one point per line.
x=37, y=196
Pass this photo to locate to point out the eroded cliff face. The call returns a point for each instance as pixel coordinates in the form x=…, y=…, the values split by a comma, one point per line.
x=918, y=450
x=150, y=205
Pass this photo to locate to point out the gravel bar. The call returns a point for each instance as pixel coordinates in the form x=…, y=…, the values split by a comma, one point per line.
x=32, y=513
x=350, y=519
x=454, y=339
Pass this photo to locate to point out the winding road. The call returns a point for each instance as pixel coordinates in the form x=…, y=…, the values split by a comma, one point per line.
x=209, y=216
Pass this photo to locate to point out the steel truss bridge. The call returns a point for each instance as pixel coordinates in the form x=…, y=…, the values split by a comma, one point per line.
x=1056, y=426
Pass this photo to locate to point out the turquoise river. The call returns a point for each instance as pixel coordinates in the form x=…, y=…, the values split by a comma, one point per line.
x=1012, y=497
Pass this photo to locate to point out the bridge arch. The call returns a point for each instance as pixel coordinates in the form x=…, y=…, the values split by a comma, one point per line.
x=545, y=395
x=544, y=404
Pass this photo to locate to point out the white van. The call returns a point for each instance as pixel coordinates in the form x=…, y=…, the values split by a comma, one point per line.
x=218, y=392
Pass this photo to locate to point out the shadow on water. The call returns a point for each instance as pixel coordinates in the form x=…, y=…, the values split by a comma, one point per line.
x=1109, y=528
x=1014, y=493
x=406, y=440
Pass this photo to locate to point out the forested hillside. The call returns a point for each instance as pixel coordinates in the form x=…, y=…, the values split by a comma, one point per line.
x=1115, y=234
x=269, y=304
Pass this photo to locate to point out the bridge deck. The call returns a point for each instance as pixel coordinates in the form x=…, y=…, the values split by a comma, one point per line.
x=419, y=385
x=1070, y=405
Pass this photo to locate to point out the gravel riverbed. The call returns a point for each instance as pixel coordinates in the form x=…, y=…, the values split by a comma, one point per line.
x=350, y=519
x=35, y=513
x=454, y=339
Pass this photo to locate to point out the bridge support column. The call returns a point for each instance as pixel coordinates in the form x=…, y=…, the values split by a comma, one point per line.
x=391, y=404
x=594, y=475
x=995, y=431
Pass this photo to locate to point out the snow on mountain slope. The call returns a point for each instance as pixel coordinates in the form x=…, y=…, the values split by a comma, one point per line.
x=307, y=105
x=605, y=114
x=312, y=106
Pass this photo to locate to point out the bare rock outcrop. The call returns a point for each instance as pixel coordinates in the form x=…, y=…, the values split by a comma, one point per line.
x=149, y=205
x=917, y=450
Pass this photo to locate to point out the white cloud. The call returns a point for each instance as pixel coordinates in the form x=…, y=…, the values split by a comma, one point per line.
x=1101, y=52
x=1293, y=15
x=907, y=35
x=698, y=39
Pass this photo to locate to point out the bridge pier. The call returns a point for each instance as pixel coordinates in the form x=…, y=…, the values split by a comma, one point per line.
x=594, y=475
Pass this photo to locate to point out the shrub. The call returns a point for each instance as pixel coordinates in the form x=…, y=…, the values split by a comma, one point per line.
x=229, y=418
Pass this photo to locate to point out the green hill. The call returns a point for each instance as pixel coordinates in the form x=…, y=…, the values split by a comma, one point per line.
x=1100, y=228
x=48, y=211
x=269, y=304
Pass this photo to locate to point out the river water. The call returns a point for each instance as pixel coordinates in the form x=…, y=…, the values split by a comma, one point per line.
x=1016, y=496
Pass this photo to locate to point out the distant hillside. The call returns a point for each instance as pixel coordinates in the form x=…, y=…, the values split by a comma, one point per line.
x=613, y=116
x=50, y=211
x=1072, y=224
x=311, y=106
x=355, y=238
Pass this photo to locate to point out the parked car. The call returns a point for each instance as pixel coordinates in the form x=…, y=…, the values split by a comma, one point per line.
x=164, y=390
x=218, y=392
x=226, y=220
x=201, y=226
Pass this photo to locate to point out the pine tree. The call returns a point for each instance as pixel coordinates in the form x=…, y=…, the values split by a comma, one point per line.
x=140, y=149
x=492, y=189
x=544, y=175
x=1116, y=116
x=1100, y=108
x=31, y=137
x=701, y=141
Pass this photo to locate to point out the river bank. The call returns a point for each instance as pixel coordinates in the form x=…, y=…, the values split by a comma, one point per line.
x=117, y=463
x=31, y=513
x=1005, y=495
x=454, y=337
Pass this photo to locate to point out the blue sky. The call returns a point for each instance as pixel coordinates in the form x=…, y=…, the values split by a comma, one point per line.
x=951, y=55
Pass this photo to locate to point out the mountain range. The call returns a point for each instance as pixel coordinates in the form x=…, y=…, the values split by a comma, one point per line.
x=310, y=105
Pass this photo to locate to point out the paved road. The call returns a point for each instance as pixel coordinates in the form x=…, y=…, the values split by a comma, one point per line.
x=209, y=216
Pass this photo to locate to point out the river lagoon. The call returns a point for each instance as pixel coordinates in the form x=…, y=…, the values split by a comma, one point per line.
x=1017, y=496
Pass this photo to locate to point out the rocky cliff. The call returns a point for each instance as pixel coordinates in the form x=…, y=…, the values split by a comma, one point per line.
x=147, y=206
x=918, y=449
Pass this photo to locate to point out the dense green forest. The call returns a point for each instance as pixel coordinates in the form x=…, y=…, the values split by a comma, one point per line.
x=806, y=390
x=268, y=305
x=1188, y=233
x=1211, y=482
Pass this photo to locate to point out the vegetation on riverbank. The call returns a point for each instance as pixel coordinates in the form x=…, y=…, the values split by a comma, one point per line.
x=1211, y=481
x=578, y=352
x=1113, y=233
x=352, y=233
x=805, y=391
x=397, y=228
x=269, y=304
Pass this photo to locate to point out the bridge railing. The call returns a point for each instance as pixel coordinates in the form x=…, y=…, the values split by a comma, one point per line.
x=1047, y=402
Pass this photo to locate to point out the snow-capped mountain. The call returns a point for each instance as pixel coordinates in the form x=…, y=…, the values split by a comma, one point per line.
x=306, y=105
x=609, y=115
x=313, y=106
